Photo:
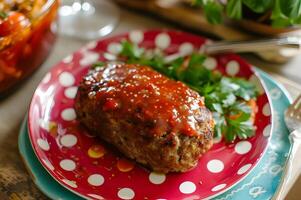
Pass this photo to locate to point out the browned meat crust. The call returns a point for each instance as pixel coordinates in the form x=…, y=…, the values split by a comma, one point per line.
x=156, y=121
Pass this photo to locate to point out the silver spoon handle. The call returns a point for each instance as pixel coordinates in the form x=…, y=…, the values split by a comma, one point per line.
x=252, y=46
x=287, y=176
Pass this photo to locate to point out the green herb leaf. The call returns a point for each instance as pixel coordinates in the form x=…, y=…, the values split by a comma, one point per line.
x=98, y=64
x=259, y=6
x=227, y=85
x=197, y=2
x=3, y=15
x=239, y=107
x=213, y=11
x=284, y=13
x=195, y=73
x=290, y=8
x=131, y=51
x=233, y=9
x=229, y=100
x=243, y=128
x=220, y=125
x=246, y=89
x=217, y=107
x=174, y=67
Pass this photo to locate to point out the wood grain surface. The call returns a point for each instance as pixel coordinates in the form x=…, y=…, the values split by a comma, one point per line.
x=15, y=180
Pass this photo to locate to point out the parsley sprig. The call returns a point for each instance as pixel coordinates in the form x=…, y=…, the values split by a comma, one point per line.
x=226, y=97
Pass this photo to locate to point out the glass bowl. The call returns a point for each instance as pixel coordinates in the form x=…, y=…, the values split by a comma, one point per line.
x=25, y=43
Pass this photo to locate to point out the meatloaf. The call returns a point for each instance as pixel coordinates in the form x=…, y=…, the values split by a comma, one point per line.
x=158, y=122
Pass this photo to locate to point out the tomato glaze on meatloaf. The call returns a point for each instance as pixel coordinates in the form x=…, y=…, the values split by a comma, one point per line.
x=158, y=122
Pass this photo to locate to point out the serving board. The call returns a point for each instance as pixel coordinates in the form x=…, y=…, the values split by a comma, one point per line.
x=181, y=13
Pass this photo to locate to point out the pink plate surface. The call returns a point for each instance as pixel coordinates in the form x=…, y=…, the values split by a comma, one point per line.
x=92, y=169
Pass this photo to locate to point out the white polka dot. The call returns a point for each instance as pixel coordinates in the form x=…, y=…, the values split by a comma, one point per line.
x=202, y=48
x=68, y=165
x=68, y=114
x=215, y=166
x=68, y=59
x=114, y=48
x=68, y=140
x=244, y=169
x=44, y=124
x=186, y=48
x=96, y=196
x=267, y=130
x=46, y=78
x=232, y=67
x=48, y=164
x=210, y=63
x=218, y=187
x=266, y=111
x=243, y=147
x=70, y=92
x=126, y=193
x=187, y=187
x=66, y=79
x=109, y=56
x=70, y=183
x=88, y=58
x=156, y=178
x=136, y=36
x=43, y=144
x=162, y=40
x=96, y=180
x=255, y=80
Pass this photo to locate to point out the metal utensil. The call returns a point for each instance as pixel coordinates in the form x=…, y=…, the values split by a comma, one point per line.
x=292, y=119
x=290, y=42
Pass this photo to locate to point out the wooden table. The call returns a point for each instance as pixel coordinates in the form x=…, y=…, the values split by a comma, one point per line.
x=15, y=182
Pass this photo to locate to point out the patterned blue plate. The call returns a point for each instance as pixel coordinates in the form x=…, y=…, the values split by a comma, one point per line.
x=261, y=183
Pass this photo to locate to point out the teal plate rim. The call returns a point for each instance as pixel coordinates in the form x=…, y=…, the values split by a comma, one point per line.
x=39, y=175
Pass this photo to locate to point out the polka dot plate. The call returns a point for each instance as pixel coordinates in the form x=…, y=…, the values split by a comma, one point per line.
x=94, y=170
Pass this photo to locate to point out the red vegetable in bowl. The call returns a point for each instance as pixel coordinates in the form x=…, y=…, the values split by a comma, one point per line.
x=14, y=21
x=26, y=37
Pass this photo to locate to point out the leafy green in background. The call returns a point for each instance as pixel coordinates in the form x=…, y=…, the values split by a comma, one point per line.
x=226, y=97
x=281, y=13
x=286, y=13
x=259, y=6
x=212, y=9
x=233, y=9
x=3, y=15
